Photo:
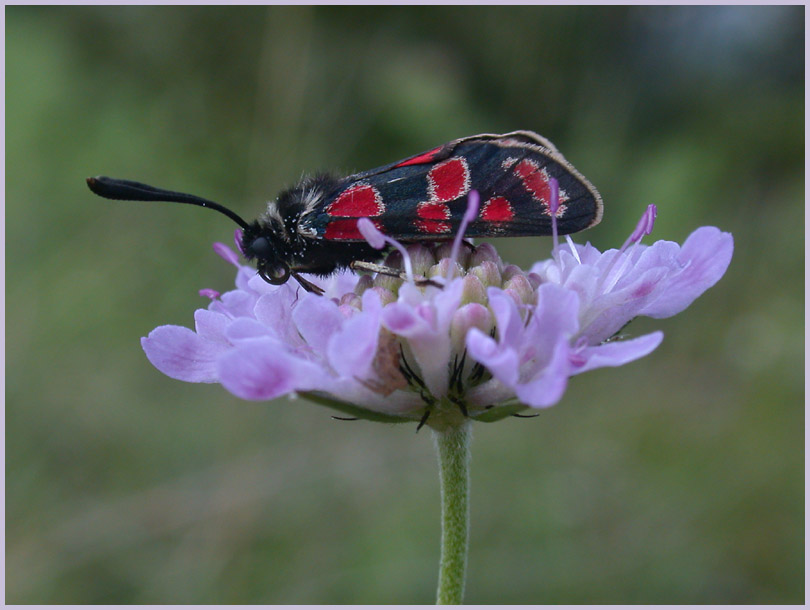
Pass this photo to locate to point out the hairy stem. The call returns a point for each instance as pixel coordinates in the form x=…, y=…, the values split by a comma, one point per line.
x=453, y=445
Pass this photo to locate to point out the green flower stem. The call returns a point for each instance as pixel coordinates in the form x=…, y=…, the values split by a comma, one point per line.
x=453, y=445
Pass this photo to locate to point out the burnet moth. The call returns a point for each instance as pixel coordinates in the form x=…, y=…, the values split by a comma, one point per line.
x=312, y=227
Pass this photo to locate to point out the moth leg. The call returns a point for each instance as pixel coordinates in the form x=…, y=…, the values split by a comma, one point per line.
x=391, y=272
x=375, y=268
x=307, y=285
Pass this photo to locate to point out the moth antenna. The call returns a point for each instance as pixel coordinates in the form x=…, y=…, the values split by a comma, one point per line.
x=128, y=190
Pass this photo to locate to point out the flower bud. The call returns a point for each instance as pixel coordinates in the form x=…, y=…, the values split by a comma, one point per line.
x=386, y=296
x=522, y=288
x=442, y=269
x=388, y=282
x=445, y=250
x=487, y=272
x=473, y=291
x=364, y=283
x=510, y=271
x=422, y=259
x=393, y=260
x=485, y=252
x=350, y=299
x=471, y=315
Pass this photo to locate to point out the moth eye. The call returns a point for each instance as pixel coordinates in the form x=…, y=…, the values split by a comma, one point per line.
x=274, y=273
x=261, y=248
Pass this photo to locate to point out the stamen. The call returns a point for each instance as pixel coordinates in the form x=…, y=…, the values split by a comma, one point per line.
x=226, y=253
x=408, y=372
x=573, y=248
x=476, y=373
x=644, y=227
x=459, y=370
x=377, y=239
x=473, y=200
x=553, y=206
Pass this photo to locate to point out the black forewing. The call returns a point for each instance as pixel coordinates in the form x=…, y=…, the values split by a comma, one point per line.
x=491, y=159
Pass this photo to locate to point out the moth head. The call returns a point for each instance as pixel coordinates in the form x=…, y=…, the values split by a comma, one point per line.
x=258, y=244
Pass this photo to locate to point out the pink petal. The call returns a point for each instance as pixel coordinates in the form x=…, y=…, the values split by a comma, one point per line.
x=704, y=258
x=317, y=319
x=616, y=353
x=262, y=369
x=548, y=387
x=181, y=354
x=351, y=350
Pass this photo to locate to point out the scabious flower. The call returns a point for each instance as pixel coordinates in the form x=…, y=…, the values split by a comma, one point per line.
x=463, y=335
x=454, y=334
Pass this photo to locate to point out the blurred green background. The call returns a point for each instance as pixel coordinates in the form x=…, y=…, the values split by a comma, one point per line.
x=676, y=479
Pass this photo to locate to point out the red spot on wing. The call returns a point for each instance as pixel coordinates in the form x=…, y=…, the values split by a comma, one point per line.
x=419, y=159
x=432, y=226
x=535, y=180
x=433, y=211
x=345, y=228
x=357, y=201
x=497, y=209
x=449, y=180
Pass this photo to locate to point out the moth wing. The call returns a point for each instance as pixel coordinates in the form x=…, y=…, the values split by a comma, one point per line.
x=424, y=197
x=388, y=191
x=440, y=153
x=514, y=186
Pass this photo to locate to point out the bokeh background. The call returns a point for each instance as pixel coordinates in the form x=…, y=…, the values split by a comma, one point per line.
x=676, y=479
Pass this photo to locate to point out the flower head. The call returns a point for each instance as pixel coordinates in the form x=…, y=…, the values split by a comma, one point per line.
x=462, y=335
